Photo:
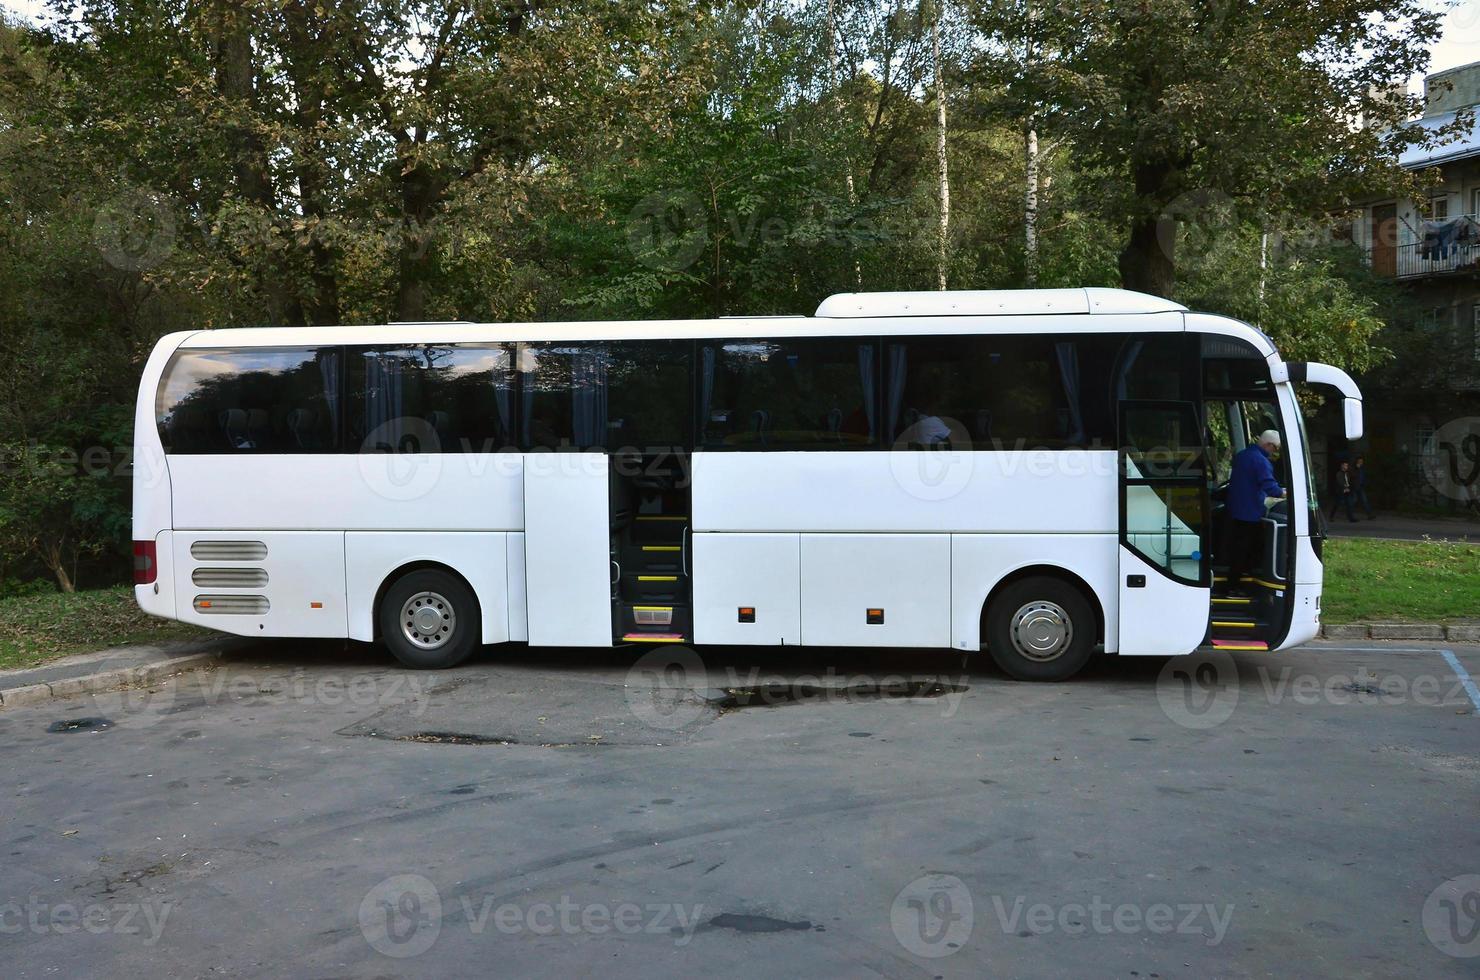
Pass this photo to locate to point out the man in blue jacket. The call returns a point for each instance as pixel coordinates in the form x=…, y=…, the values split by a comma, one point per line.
x=1251, y=481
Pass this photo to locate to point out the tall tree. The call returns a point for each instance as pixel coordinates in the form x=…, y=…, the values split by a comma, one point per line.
x=1180, y=101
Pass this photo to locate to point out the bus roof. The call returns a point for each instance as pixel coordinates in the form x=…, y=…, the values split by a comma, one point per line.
x=1008, y=311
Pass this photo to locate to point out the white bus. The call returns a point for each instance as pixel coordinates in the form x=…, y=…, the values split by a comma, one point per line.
x=1037, y=473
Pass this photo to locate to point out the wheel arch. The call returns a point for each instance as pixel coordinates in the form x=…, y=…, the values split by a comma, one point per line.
x=1049, y=571
x=420, y=565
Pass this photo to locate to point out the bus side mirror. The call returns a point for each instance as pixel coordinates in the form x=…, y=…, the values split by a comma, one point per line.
x=1352, y=415
x=1324, y=374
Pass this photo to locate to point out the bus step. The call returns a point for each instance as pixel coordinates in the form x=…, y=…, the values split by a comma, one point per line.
x=654, y=638
x=660, y=617
x=1242, y=644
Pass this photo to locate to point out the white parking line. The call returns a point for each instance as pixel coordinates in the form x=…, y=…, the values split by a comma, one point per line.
x=1381, y=649
x=1464, y=677
x=1460, y=673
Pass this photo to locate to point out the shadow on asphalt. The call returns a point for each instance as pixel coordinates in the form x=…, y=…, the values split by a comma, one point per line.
x=835, y=661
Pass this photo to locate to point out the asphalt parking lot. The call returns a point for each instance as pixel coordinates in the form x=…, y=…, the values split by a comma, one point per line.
x=311, y=810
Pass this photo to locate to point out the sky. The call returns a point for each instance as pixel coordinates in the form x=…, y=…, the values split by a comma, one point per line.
x=1460, y=44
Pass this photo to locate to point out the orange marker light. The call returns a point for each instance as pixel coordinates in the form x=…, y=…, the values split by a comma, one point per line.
x=316, y=605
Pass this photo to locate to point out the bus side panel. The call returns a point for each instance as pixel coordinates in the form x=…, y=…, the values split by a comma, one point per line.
x=1010, y=491
x=353, y=492
x=262, y=583
x=370, y=557
x=759, y=572
x=903, y=579
x=980, y=561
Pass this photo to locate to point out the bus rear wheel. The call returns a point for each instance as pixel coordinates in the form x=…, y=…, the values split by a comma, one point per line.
x=429, y=619
x=1040, y=629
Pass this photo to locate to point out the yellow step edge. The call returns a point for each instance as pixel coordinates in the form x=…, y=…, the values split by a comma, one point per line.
x=652, y=639
x=1239, y=646
x=1247, y=626
x=661, y=547
x=1253, y=581
x=657, y=578
x=653, y=608
x=1231, y=600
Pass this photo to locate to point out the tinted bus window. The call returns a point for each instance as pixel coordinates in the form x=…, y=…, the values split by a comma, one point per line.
x=1000, y=392
x=563, y=396
x=449, y=398
x=650, y=391
x=789, y=394
x=257, y=400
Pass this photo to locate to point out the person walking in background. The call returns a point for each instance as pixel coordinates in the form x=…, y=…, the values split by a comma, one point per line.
x=1359, y=487
x=1345, y=492
x=1250, y=483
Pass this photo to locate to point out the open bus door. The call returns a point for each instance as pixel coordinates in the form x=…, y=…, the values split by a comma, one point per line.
x=1165, y=573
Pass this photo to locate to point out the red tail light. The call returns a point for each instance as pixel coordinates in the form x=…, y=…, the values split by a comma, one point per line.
x=145, y=564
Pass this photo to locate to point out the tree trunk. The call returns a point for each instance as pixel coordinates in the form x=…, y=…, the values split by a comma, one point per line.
x=837, y=101
x=310, y=167
x=236, y=81
x=51, y=556
x=943, y=171
x=421, y=193
x=1030, y=204
x=1146, y=262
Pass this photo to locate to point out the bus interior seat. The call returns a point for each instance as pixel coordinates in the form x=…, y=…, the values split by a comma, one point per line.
x=188, y=430
x=236, y=424
x=301, y=423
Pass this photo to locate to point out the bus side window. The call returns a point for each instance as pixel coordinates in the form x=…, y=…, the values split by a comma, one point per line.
x=437, y=398
x=998, y=392
x=806, y=393
x=250, y=400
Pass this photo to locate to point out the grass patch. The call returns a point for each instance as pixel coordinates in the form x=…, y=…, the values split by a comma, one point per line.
x=37, y=628
x=1415, y=581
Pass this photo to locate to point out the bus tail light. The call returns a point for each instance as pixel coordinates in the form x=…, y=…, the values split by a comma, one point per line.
x=146, y=563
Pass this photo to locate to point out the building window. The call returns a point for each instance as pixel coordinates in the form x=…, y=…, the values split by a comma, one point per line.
x=1438, y=208
x=1424, y=438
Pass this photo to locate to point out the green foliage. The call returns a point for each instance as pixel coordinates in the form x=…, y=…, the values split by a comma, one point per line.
x=171, y=165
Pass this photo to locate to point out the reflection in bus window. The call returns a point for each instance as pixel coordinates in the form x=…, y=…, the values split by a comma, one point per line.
x=255, y=400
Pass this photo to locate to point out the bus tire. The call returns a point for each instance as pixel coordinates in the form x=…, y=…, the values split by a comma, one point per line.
x=1040, y=629
x=429, y=619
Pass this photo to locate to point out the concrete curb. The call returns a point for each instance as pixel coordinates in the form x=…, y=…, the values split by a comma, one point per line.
x=107, y=680
x=1461, y=633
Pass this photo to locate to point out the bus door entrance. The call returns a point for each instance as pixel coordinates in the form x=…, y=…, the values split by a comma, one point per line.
x=566, y=545
x=650, y=548
x=1165, y=569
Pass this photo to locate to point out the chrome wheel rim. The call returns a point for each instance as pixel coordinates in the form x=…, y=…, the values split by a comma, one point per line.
x=428, y=620
x=1041, y=630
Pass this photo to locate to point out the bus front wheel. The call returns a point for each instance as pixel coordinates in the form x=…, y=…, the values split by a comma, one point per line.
x=429, y=619
x=1040, y=629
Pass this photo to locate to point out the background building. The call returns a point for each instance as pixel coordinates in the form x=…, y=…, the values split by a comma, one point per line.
x=1430, y=248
